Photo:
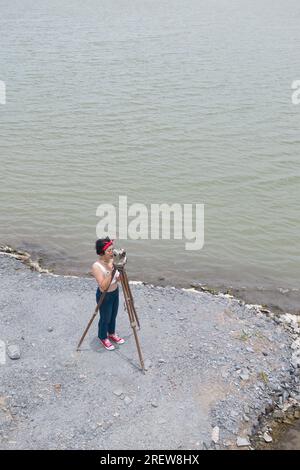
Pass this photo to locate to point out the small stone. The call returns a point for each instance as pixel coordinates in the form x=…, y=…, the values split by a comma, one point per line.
x=246, y=418
x=13, y=351
x=127, y=401
x=161, y=421
x=195, y=284
x=267, y=437
x=118, y=392
x=227, y=443
x=246, y=409
x=161, y=361
x=154, y=404
x=215, y=435
x=50, y=329
x=244, y=376
x=242, y=441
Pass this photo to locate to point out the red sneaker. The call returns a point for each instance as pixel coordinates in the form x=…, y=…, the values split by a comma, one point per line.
x=116, y=339
x=107, y=344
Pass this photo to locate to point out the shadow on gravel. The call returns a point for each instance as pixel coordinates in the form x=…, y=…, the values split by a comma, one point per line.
x=98, y=348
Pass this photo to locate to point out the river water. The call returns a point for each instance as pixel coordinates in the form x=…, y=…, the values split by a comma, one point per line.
x=161, y=102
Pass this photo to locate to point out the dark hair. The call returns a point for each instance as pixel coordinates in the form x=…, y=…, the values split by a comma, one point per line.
x=100, y=244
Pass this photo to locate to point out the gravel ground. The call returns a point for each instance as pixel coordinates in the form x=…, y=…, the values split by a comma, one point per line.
x=214, y=365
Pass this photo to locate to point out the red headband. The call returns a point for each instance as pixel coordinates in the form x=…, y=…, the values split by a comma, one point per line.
x=107, y=245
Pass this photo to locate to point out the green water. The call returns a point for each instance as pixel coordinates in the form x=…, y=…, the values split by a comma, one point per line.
x=161, y=101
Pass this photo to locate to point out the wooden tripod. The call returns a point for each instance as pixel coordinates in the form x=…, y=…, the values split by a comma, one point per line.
x=133, y=318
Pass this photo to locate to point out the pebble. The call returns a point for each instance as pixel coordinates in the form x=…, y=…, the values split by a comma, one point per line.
x=267, y=437
x=244, y=376
x=215, y=435
x=13, y=351
x=246, y=409
x=127, y=400
x=242, y=441
x=161, y=421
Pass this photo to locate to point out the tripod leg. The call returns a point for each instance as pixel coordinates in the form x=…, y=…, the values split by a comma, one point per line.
x=86, y=330
x=131, y=298
x=127, y=301
x=139, y=349
x=132, y=318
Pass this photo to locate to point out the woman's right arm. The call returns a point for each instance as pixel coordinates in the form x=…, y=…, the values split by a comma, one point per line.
x=102, y=280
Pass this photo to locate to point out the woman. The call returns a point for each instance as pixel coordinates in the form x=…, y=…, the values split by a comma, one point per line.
x=102, y=271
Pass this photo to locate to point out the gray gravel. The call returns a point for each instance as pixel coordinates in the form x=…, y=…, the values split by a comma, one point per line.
x=213, y=365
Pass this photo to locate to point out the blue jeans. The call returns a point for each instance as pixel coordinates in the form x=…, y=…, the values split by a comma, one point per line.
x=108, y=312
